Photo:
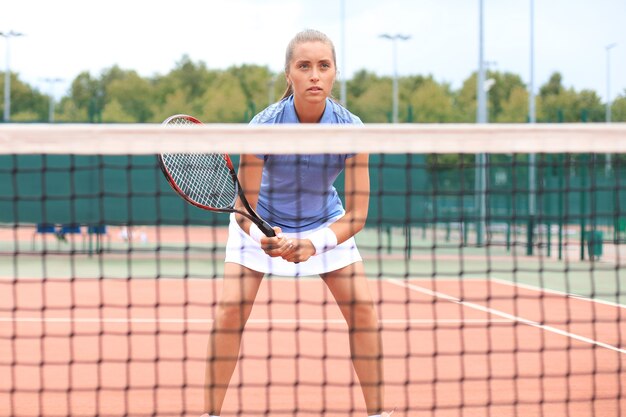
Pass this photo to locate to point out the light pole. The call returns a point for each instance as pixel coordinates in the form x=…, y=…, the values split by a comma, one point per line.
x=608, y=48
x=344, y=98
x=481, y=93
x=480, y=182
x=532, y=204
x=52, y=81
x=394, y=41
x=608, y=80
x=532, y=116
x=7, y=75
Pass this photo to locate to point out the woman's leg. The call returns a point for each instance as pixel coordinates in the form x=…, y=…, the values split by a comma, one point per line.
x=350, y=289
x=239, y=290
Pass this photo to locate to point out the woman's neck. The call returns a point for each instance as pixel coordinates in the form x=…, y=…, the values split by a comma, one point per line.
x=309, y=113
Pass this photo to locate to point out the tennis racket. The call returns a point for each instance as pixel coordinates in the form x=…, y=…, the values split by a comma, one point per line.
x=208, y=181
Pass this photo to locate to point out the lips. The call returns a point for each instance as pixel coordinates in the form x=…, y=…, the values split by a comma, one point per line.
x=314, y=88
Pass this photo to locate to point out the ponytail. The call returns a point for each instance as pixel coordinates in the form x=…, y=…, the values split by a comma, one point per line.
x=288, y=91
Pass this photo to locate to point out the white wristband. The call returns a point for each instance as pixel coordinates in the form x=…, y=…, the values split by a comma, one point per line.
x=255, y=233
x=323, y=240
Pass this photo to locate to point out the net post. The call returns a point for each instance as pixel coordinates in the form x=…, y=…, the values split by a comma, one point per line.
x=406, y=231
x=508, y=237
x=530, y=234
x=480, y=197
x=583, y=204
x=560, y=218
x=549, y=237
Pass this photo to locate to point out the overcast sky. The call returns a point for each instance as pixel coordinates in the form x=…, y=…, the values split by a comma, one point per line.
x=65, y=37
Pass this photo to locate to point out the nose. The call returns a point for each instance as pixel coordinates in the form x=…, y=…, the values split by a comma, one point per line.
x=315, y=74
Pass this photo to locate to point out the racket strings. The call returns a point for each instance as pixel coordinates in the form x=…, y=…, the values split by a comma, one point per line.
x=204, y=178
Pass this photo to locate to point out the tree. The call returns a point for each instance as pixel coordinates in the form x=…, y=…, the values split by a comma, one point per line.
x=27, y=103
x=554, y=86
x=373, y=105
x=360, y=83
x=239, y=92
x=255, y=82
x=134, y=94
x=432, y=103
x=193, y=78
x=560, y=104
x=87, y=96
x=504, y=83
x=465, y=101
x=224, y=101
x=590, y=107
x=114, y=112
x=67, y=111
x=618, y=108
x=175, y=103
x=559, y=107
x=515, y=108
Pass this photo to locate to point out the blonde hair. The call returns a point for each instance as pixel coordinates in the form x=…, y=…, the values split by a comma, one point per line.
x=307, y=35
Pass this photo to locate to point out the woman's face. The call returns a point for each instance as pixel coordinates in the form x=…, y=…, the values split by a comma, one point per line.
x=312, y=72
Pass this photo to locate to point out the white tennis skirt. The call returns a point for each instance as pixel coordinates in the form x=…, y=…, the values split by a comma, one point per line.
x=242, y=250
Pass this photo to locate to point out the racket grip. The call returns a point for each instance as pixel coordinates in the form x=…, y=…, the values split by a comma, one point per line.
x=266, y=228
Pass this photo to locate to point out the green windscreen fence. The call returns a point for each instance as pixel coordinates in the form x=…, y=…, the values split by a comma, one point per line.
x=110, y=189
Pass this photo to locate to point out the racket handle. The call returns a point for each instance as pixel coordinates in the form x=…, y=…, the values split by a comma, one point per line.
x=266, y=228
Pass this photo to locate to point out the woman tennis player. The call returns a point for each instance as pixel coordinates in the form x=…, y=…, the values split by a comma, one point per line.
x=315, y=234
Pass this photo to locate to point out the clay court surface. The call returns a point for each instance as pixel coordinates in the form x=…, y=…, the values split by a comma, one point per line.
x=124, y=332
x=540, y=354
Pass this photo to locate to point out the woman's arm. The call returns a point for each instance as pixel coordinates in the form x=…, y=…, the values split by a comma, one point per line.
x=250, y=172
x=357, y=195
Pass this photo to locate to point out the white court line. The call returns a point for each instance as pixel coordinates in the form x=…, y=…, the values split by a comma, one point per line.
x=499, y=313
x=151, y=320
x=561, y=293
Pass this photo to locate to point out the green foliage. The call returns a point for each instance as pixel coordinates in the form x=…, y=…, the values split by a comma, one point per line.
x=25, y=116
x=515, y=108
x=373, y=105
x=190, y=77
x=236, y=94
x=465, y=101
x=27, y=103
x=500, y=93
x=225, y=101
x=360, y=83
x=553, y=87
x=114, y=112
x=570, y=106
x=174, y=103
x=618, y=109
x=86, y=94
x=432, y=103
x=67, y=111
x=132, y=93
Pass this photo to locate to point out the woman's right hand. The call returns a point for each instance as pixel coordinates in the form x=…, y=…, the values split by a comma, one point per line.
x=275, y=246
x=290, y=249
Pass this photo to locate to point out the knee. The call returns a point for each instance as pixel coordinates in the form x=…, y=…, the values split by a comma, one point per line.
x=362, y=316
x=231, y=316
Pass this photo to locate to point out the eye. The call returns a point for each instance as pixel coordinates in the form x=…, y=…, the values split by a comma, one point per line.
x=303, y=65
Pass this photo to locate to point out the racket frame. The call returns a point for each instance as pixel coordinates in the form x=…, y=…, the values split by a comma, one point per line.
x=250, y=213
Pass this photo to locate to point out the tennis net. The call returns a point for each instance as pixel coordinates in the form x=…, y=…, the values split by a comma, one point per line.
x=493, y=254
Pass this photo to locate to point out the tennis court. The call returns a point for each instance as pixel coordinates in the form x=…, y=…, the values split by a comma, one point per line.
x=119, y=325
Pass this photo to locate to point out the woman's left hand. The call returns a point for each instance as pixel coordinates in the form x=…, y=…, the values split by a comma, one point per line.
x=298, y=250
x=290, y=249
